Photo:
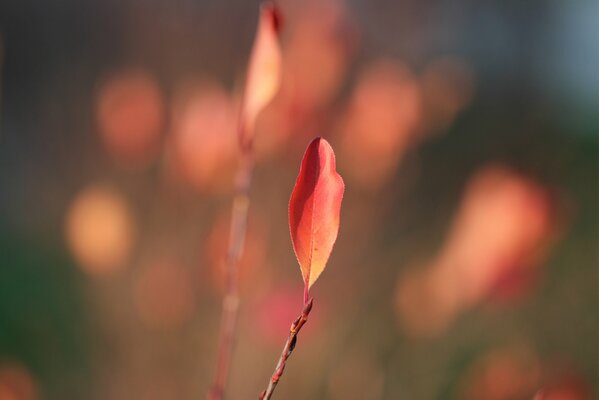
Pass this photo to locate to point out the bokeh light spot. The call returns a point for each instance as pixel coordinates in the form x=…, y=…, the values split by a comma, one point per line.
x=100, y=230
x=130, y=117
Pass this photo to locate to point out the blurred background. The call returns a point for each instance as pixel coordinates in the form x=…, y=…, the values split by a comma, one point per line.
x=466, y=264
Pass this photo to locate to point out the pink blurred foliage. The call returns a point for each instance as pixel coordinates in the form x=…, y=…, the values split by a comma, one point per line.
x=392, y=109
x=512, y=372
x=515, y=371
x=380, y=122
x=494, y=252
x=275, y=309
x=130, y=115
x=202, y=149
x=567, y=386
x=500, y=235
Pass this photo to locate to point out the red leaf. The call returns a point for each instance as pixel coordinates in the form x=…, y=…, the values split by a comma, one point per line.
x=264, y=70
x=314, y=210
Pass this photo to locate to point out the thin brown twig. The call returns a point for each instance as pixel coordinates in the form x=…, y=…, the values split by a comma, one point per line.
x=296, y=326
x=230, y=308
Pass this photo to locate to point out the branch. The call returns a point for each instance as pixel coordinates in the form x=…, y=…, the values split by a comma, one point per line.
x=287, y=350
x=241, y=202
x=263, y=79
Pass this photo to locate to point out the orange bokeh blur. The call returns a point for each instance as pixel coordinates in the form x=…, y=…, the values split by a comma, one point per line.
x=204, y=141
x=16, y=383
x=500, y=234
x=316, y=55
x=502, y=374
x=100, y=230
x=495, y=247
x=567, y=386
x=380, y=123
x=130, y=116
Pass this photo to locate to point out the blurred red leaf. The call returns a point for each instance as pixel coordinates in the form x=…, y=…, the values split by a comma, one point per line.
x=264, y=70
x=314, y=210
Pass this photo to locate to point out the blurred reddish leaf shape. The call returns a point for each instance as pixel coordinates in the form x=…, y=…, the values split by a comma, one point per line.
x=314, y=210
x=264, y=70
x=130, y=115
x=204, y=145
x=275, y=308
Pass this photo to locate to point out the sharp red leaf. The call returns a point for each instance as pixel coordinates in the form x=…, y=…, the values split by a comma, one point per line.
x=314, y=210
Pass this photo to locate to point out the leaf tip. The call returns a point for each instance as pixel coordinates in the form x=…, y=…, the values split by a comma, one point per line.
x=264, y=69
x=271, y=9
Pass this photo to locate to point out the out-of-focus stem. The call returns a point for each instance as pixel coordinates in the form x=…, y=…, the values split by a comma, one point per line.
x=241, y=202
x=296, y=326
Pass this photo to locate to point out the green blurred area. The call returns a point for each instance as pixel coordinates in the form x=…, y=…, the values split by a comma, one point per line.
x=43, y=319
